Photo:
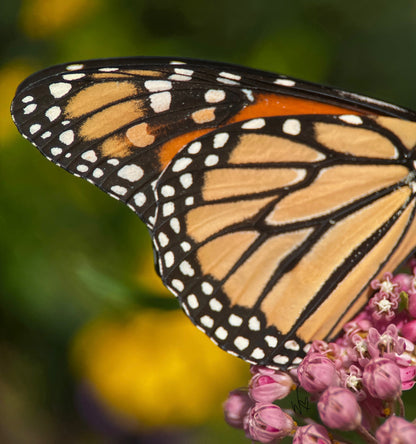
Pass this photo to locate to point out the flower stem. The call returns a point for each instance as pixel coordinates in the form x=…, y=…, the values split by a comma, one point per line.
x=366, y=435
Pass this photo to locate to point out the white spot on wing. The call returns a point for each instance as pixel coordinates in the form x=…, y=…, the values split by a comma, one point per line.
x=235, y=320
x=292, y=345
x=352, y=119
x=160, y=101
x=157, y=85
x=194, y=148
x=74, y=67
x=254, y=324
x=229, y=75
x=281, y=359
x=207, y=288
x=215, y=305
x=220, y=140
x=117, y=189
x=174, y=224
x=169, y=259
x=176, y=283
x=74, y=76
x=89, y=156
x=207, y=321
x=292, y=127
x=29, y=108
x=241, y=343
x=132, y=173
x=181, y=164
x=254, y=124
x=214, y=95
x=211, y=160
x=258, y=353
x=186, y=269
x=192, y=301
x=97, y=173
x=285, y=82
x=67, y=137
x=186, y=180
x=34, y=128
x=59, y=89
x=271, y=341
x=56, y=151
x=168, y=209
x=168, y=191
x=139, y=199
x=221, y=333
x=185, y=246
x=163, y=239
x=53, y=113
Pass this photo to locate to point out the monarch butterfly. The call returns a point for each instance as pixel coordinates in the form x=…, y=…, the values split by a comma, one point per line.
x=271, y=202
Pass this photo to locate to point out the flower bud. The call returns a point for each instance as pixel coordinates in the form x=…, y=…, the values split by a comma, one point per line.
x=339, y=409
x=409, y=331
x=404, y=280
x=316, y=373
x=267, y=422
x=396, y=430
x=268, y=385
x=381, y=378
x=412, y=305
x=311, y=434
x=236, y=407
x=407, y=376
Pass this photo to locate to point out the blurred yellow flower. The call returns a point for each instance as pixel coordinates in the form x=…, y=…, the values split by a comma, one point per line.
x=10, y=77
x=156, y=368
x=41, y=18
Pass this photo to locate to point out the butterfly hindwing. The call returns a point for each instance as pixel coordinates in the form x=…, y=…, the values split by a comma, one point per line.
x=272, y=202
x=260, y=226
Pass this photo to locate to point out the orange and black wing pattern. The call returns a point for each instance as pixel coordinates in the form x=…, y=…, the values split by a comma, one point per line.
x=272, y=202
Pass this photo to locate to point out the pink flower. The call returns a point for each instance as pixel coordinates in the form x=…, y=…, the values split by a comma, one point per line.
x=396, y=430
x=312, y=434
x=387, y=344
x=381, y=378
x=268, y=385
x=386, y=285
x=352, y=379
x=316, y=373
x=384, y=305
x=236, y=407
x=267, y=422
x=339, y=409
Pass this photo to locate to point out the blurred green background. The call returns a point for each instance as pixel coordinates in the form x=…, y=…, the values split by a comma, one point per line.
x=91, y=347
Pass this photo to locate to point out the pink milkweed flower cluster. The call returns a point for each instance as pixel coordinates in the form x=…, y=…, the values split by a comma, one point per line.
x=356, y=382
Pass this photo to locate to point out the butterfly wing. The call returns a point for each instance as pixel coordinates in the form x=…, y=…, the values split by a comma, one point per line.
x=269, y=230
x=242, y=177
x=119, y=122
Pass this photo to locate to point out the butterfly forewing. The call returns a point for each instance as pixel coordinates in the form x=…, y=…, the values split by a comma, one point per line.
x=272, y=202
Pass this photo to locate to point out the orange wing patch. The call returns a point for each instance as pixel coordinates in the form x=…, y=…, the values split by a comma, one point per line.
x=316, y=267
x=99, y=95
x=232, y=182
x=266, y=105
x=273, y=150
x=329, y=191
x=355, y=141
